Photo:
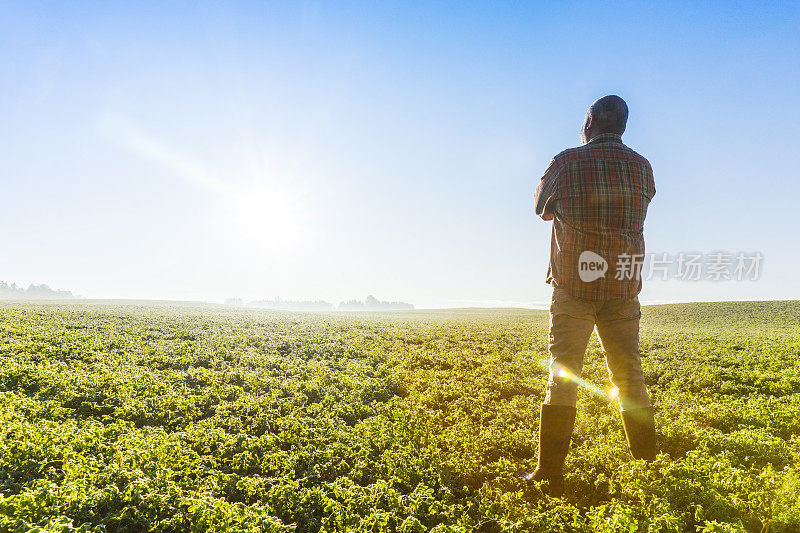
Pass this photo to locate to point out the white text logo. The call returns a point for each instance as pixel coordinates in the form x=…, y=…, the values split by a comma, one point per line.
x=591, y=266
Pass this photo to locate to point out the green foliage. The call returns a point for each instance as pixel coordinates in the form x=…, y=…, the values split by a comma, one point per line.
x=154, y=418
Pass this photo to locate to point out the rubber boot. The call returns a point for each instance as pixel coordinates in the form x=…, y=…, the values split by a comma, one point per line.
x=555, y=431
x=640, y=430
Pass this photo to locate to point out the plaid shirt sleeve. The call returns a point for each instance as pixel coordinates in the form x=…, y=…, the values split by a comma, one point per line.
x=597, y=197
x=545, y=193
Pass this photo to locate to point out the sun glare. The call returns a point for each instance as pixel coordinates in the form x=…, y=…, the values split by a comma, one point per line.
x=268, y=215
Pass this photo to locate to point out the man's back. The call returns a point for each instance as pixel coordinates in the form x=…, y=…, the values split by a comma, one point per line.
x=597, y=195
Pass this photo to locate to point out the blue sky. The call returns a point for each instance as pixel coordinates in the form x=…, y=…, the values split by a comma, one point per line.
x=333, y=150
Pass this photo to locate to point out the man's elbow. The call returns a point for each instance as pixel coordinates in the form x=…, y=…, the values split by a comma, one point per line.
x=543, y=209
x=544, y=214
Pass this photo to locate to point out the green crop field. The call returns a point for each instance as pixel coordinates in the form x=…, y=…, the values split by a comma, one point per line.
x=135, y=418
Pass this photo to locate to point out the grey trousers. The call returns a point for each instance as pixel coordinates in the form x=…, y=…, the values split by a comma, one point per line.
x=571, y=323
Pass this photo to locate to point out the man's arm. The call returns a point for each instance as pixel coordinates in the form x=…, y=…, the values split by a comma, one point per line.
x=543, y=200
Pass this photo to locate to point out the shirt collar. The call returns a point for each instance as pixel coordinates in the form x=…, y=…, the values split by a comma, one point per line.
x=606, y=137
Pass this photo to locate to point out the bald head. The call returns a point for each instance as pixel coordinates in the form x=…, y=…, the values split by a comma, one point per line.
x=609, y=114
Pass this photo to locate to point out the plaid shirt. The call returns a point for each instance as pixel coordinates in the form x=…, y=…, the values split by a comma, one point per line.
x=597, y=197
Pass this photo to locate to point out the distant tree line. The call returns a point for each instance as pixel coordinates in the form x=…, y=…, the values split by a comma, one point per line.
x=370, y=304
x=33, y=292
x=373, y=304
x=317, y=305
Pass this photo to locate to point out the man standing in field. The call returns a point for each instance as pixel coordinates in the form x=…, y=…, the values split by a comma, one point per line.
x=597, y=197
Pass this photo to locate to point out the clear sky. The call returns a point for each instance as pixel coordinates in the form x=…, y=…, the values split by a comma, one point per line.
x=333, y=150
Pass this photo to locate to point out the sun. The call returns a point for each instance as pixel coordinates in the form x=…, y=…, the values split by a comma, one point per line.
x=269, y=216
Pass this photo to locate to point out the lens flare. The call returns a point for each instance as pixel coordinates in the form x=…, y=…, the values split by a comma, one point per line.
x=562, y=372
